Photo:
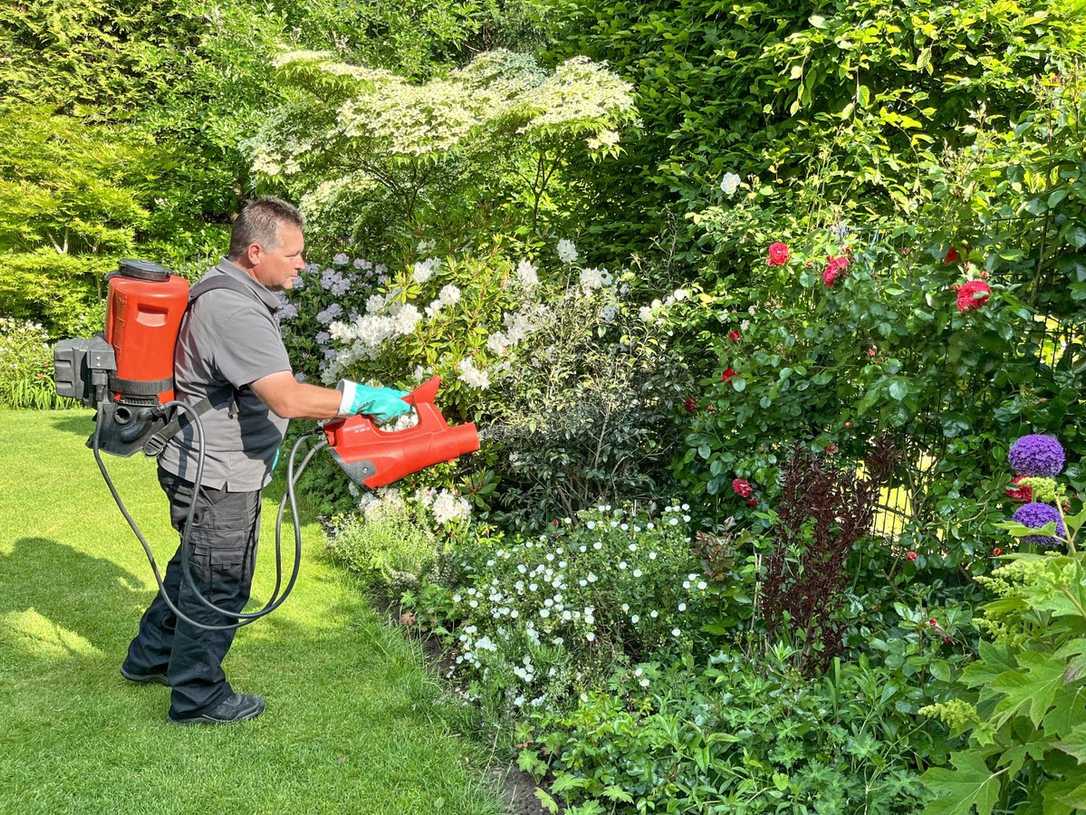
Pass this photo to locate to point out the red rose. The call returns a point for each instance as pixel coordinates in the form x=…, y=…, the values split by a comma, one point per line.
x=742, y=487
x=734, y=335
x=952, y=256
x=973, y=294
x=778, y=254
x=1023, y=493
x=690, y=404
x=727, y=375
x=911, y=555
x=933, y=622
x=996, y=551
x=752, y=502
x=835, y=267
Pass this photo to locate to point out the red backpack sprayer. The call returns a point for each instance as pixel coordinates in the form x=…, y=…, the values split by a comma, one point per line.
x=126, y=374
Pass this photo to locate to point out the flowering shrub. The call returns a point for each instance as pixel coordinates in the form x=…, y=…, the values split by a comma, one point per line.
x=448, y=153
x=532, y=618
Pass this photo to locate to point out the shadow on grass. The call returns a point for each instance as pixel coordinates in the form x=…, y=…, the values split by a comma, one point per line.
x=67, y=421
x=55, y=580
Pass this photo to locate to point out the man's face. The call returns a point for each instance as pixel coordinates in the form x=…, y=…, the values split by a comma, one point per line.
x=277, y=266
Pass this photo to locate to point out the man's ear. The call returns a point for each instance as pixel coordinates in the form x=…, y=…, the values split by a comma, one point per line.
x=254, y=254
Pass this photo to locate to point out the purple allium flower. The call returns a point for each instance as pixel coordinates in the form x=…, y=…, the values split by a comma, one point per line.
x=1035, y=516
x=1036, y=455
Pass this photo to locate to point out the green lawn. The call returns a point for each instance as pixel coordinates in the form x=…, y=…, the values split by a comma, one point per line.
x=354, y=722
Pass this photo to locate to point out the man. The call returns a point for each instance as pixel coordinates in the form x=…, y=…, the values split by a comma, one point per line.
x=229, y=351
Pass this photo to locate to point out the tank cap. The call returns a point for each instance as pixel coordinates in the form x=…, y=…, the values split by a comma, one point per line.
x=143, y=270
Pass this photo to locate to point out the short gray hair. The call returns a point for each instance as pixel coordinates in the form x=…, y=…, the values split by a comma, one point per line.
x=259, y=222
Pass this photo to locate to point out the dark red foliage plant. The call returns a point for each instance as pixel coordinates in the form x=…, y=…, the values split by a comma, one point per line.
x=824, y=509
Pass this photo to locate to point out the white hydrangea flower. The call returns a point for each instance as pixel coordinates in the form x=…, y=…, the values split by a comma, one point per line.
x=591, y=279
x=729, y=184
x=567, y=252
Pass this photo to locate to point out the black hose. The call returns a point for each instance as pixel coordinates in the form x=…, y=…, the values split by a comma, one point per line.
x=273, y=603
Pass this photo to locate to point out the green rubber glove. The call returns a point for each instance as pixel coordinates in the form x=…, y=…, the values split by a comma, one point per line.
x=383, y=404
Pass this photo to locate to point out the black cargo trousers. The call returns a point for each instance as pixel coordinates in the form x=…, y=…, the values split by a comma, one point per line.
x=225, y=527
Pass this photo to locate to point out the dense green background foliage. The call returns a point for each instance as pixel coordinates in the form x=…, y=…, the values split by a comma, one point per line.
x=564, y=208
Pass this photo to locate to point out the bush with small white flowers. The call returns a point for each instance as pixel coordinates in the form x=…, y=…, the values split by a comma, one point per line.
x=532, y=619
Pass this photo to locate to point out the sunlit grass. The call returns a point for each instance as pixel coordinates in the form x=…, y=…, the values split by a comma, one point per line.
x=354, y=722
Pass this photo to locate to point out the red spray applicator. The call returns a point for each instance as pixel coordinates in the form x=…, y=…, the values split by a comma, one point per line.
x=376, y=457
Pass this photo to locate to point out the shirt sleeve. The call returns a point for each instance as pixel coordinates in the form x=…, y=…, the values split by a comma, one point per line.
x=248, y=347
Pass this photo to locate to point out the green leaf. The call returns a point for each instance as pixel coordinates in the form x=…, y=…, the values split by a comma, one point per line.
x=923, y=62
x=1034, y=688
x=956, y=792
x=548, y=803
x=899, y=389
x=817, y=21
x=1074, y=744
x=617, y=794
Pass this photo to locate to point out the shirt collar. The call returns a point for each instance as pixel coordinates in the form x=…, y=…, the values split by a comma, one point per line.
x=266, y=295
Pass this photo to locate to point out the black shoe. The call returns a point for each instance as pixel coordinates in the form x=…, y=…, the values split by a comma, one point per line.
x=144, y=679
x=237, y=707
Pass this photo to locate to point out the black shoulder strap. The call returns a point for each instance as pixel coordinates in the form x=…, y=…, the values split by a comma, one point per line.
x=222, y=281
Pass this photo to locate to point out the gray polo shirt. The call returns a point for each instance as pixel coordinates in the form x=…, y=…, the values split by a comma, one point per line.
x=227, y=341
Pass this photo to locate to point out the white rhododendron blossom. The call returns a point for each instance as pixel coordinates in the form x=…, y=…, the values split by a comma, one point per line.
x=567, y=252
x=527, y=275
x=384, y=501
x=407, y=318
x=470, y=375
x=448, y=507
x=340, y=259
x=424, y=269
x=729, y=184
x=497, y=342
x=449, y=295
